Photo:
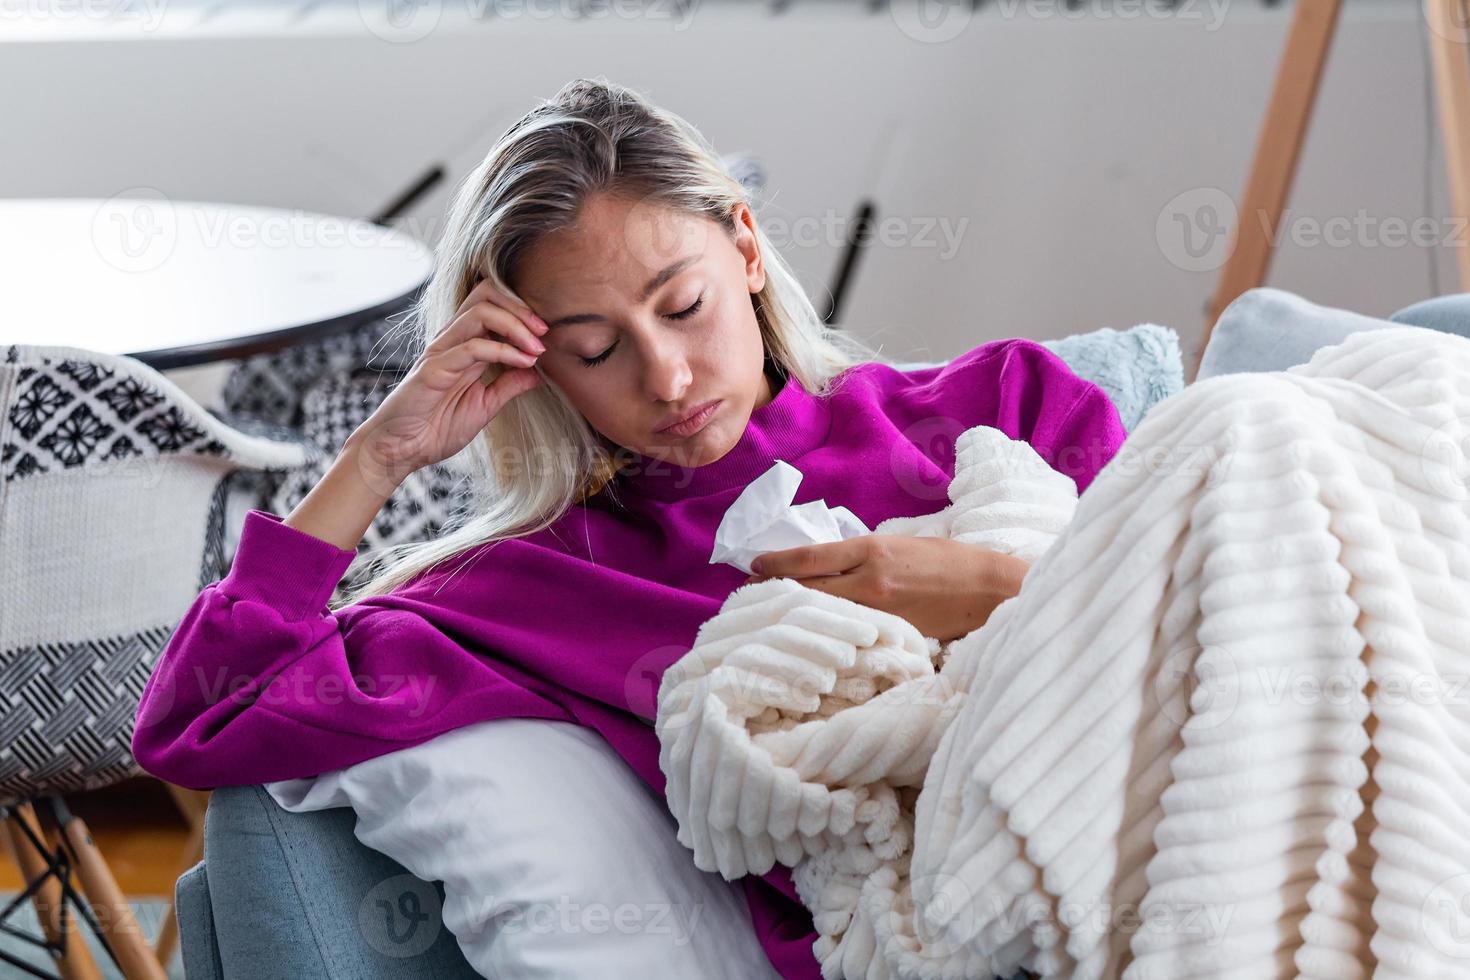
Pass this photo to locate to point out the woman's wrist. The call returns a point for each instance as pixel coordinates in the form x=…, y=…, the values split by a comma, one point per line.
x=999, y=576
x=347, y=499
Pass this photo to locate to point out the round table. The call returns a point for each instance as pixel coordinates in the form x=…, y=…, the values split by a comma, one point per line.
x=178, y=283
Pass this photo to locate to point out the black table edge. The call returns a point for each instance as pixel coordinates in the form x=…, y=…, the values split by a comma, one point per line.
x=237, y=347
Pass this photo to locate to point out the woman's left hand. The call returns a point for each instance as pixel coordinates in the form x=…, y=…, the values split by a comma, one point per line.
x=945, y=588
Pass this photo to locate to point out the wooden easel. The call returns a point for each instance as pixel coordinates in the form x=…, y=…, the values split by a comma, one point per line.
x=1278, y=148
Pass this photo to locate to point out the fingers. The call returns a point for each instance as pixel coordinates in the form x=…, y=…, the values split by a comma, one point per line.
x=478, y=351
x=486, y=291
x=486, y=316
x=483, y=321
x=832, y=558
x=497, y=393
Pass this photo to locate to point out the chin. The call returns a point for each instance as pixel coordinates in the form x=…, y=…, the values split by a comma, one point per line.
x=725, y=445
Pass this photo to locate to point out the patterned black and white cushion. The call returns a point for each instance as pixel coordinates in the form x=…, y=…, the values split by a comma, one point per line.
x=269, y=389
x=111, y=520
x=270, y=386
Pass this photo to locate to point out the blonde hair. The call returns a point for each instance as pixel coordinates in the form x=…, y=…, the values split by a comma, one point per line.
x=592, y=137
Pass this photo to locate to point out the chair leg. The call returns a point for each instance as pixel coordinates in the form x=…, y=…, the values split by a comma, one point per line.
x=119, y=925
x=192, y=804
x=74, y=960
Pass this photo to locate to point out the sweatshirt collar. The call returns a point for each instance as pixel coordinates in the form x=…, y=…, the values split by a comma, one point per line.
x=791, y=424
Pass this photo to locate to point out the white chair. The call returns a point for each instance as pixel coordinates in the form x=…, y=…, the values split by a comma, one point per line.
x=113, y=484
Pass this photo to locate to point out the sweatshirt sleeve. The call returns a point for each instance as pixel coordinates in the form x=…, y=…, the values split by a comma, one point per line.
x=1024, y=389
x=260, y=681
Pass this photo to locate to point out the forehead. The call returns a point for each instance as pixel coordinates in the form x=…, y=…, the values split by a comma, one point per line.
x=616, y=245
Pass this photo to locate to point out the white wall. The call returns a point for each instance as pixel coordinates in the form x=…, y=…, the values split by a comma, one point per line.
x=1060, y=139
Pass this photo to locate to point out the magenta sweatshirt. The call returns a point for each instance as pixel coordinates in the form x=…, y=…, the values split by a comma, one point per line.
x=576, y=622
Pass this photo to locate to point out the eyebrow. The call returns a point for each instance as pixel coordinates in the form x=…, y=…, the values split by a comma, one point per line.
x=668, y=273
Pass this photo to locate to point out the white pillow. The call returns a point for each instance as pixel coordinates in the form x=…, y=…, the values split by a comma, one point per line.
x=556, y=859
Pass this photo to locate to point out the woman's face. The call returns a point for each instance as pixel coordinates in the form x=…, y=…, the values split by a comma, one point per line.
x=651, y=317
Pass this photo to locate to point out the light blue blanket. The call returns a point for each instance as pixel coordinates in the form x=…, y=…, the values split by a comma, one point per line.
x=1138, y=367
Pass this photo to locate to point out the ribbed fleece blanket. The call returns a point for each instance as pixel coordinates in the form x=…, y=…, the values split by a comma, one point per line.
x=1221, y=731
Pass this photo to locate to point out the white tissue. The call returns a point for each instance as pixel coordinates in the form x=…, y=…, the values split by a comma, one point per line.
x=762, y=519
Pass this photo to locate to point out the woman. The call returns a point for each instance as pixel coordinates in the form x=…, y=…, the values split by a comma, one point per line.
x=618, y=349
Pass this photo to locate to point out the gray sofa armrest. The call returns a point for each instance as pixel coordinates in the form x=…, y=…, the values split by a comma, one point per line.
x=297, y=895
x=1448, y=314
x=198, y=945
x=1268, y=329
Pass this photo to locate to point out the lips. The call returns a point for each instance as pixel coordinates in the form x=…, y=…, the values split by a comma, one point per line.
x=699, y=414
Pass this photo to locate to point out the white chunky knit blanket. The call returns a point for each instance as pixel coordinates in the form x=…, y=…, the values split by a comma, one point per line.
x=1222, y=731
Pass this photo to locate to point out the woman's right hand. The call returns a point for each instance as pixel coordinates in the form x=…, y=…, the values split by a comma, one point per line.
x=446, y=398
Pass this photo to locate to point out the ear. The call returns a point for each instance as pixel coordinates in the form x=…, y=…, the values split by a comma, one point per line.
x=749, y=246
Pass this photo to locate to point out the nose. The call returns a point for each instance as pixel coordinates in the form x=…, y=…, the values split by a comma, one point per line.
x=667, y=375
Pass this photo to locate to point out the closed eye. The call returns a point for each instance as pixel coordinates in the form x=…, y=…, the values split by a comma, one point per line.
x=681, y=315
x=686, y=314
x=594, y=361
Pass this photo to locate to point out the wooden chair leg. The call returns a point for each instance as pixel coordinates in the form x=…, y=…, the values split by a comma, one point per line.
x=75, y=961
x=192, y=804
x=108, y=903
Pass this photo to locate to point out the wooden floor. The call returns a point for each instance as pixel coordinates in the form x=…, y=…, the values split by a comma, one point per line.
x=138, y=830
